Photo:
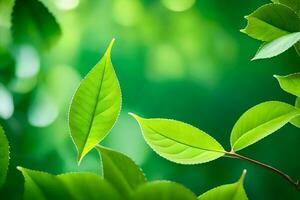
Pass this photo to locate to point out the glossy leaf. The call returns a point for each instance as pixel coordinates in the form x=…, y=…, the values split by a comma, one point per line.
x=179, y=142
x=32, y=23
x=261, y=121
x=234, y=191
x=121, y=171
x=293, y=4
x=77, y=186
x=277, y=46
x=163, y=190
x=290, y=83
x=296, y=121
x=4, y=156
x=269, y=22
x=95, y=106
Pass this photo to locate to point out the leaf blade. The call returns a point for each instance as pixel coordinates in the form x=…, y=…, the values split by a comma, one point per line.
x=290, y=83
x=121, y=171
x=234, y=191
x=259, y=122
x=4, y=156
x=179, y=142
x=95, y=106
x=277, y=46
x=296, y=121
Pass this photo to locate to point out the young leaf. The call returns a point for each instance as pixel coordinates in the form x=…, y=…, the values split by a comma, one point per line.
x=79, y=186
x=95, y=106
x=290, y=83
x=179, y=142
x=163, y=190
x=234, y=191
x=293, y=4
x=296, y=120
x=269, y=22
x=32, y=23
x=4, y=156
x=121, y=171
x=277, y=46
x=261, y=121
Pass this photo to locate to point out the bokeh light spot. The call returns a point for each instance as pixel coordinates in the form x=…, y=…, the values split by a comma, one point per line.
x=127, y=13
x=178, y=5
x=67, y=4
x=28, y=62
x=6, y=103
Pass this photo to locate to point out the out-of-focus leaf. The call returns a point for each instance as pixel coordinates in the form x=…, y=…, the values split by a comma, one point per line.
x=95, y=106
x=32, y=23
x=271, y=21
x=293, y=4
x=5, y=12
x=163, y=190
x=4, y=156
x=179, y=142
x=7, y=65
x=121, y=171
x=277, y=46
x=296, y=121
x=261, y=121
x=234, y=191
x=290, y=83
x=77, y=186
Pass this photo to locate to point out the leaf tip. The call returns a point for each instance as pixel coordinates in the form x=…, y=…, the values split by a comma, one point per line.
x=277, y=76
x=19, y=168
x=134, y=115
x=243, y=175
x=109, y=48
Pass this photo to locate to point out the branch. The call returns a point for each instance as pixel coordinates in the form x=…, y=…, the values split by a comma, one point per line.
x=295, y=183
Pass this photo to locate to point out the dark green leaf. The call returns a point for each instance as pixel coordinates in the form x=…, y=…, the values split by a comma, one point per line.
x=75, y=186
x=32, y=23
x=121, y=171
x=95, y=106
x=163, y=190
x=293, y=4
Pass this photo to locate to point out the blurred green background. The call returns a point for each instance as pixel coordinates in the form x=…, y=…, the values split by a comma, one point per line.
x=179, y=59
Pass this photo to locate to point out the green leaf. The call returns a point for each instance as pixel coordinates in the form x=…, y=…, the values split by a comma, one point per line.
x=293, y=4
x=261, y=121
x=269, y=22
x=77, y=186
x=234, y=191
x=277, y=46
x=95, y=106
x=163, y=190
x=121, y=171
x=32, y=23
x=290, y=83
x=296, y=121
x=5, y=13
x=4, y=156
x=179, y=142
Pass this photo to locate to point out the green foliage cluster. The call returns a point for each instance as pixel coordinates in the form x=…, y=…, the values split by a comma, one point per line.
x=97, y=103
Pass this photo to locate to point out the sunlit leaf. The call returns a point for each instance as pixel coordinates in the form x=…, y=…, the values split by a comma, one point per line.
x=95, y=106
x=277, y=46
x=269, y=22
x=121, y=171
x=79, y=186
x=32, y=23
x=179, y=142
x=290, y=83
x=234, y=191
x=296, y=121
x=293, y=4
x=261, y=121
x=4, y=156
x=163, y=190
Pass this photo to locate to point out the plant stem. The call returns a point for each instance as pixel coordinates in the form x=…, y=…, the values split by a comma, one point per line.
x=295, y=183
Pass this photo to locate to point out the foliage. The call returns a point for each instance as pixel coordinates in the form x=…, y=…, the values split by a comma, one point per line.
x=4, y=156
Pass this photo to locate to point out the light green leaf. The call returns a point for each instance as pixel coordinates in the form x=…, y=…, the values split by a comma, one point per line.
x=234, y=191
x=4, y=156
x=121, y=171
x=163, y=190
x=296, y=121
x=277, y=46
x=261, y=121
x=269, y=22
x=95, y=106
x=75, y=186
x=293, y=4
x=179, y=142
x=5, y=13
x=32, y=23
x=290, y=83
